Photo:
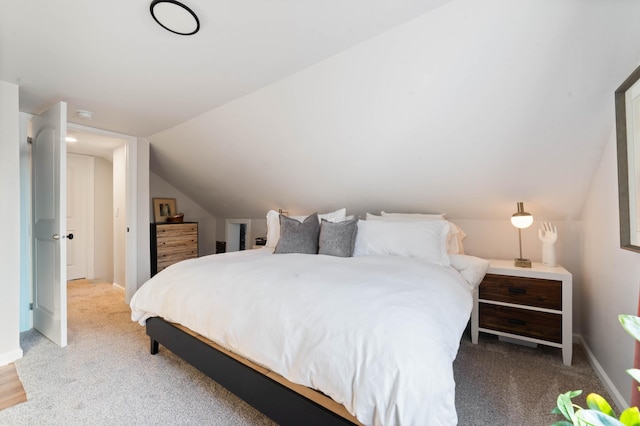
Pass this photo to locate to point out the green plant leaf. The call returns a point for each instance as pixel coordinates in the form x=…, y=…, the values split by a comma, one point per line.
x=598, y=403
x=593, y=417
x=565, y=406
x=573, y=394
x=630, y=417
x=631, y=323
x=635, y=373
x=562, y=423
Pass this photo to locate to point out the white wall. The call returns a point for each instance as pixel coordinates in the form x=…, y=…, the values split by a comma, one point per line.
x=159, y=188
x=9, y=252
x=119, y=215
x=103, y=220
x=143, y=269
x=611, y=277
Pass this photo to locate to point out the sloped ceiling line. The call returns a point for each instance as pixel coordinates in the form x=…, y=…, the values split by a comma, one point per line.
x=465, y=109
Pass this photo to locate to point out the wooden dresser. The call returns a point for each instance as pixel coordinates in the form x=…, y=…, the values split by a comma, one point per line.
x=171, y=243
x=526, y=304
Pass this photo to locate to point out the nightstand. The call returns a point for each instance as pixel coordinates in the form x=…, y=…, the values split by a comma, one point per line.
x=528, y=304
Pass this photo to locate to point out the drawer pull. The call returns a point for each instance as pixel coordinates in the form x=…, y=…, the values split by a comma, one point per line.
x=517, y=321
x=517, y=290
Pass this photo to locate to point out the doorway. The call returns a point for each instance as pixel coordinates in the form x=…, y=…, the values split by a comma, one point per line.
x=128, y=154
x=106, y=216
x=134, y=154
x=124, y=212
x=237, y=234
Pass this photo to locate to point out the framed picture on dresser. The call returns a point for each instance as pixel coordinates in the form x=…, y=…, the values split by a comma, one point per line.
x=163, y=208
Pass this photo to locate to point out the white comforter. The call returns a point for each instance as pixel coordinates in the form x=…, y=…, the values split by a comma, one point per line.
x=377, y=334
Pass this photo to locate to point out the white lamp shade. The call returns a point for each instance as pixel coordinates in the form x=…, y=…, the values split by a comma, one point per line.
x=522, y=222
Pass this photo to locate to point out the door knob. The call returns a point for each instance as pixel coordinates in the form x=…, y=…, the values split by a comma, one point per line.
x=57, y=237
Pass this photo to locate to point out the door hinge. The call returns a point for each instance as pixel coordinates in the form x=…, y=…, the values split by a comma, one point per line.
x=29, y=140
x=31, y=306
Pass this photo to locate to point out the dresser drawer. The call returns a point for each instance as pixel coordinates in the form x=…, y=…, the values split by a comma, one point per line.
x=168, y=260
x=176, y=230
x=523, y=322
x=178, y=253
x=536, y=292
x=169, y=241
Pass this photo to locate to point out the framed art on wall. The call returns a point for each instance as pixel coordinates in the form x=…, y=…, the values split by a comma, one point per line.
x=627, y=98
x=163, y=208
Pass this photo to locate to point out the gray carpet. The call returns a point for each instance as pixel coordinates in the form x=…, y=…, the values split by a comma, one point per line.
x=107, y=377
x=500, y=383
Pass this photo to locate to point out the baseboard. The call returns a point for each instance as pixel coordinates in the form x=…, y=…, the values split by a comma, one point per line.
x=9, y=357
x=118, y=287
x=618, y=399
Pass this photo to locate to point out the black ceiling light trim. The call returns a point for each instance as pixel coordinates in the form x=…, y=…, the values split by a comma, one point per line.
x=167, y=25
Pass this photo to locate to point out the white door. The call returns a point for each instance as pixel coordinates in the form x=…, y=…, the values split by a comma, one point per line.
x=78, y=197
x=48, y=158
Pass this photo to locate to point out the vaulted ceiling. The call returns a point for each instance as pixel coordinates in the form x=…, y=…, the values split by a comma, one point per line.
x=460, y=106
x=113, y=59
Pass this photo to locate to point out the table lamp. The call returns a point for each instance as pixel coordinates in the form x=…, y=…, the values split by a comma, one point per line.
x=521, y=220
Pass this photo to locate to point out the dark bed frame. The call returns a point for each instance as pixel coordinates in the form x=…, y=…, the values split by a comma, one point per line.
x=277, y=401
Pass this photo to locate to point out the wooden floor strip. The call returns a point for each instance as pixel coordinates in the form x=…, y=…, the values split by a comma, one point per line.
x=11, y=389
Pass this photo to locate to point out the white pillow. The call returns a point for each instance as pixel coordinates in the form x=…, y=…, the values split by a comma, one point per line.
x=414, y=216
x=273, y=223
x=405, y=216
x=456, y=234
x=454, y=243
x=472, y=269
x=370, y=216
x=425, y=240
x=273, y=228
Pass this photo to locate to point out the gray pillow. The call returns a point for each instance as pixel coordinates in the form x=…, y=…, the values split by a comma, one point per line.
x=338, y=238
x=298, y=237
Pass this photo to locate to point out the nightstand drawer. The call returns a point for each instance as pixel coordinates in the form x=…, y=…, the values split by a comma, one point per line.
x=523, y=322
x=536, y=292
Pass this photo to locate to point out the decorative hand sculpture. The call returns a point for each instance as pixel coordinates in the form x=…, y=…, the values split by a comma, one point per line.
x=548, y=234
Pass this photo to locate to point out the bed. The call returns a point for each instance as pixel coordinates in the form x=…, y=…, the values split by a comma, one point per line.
x=375, y=334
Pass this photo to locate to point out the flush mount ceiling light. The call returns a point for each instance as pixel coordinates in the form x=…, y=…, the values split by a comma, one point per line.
x=83, y=113
x=175, y=17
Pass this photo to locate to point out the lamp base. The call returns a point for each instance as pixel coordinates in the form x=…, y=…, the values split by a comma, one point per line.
x=523, y=263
